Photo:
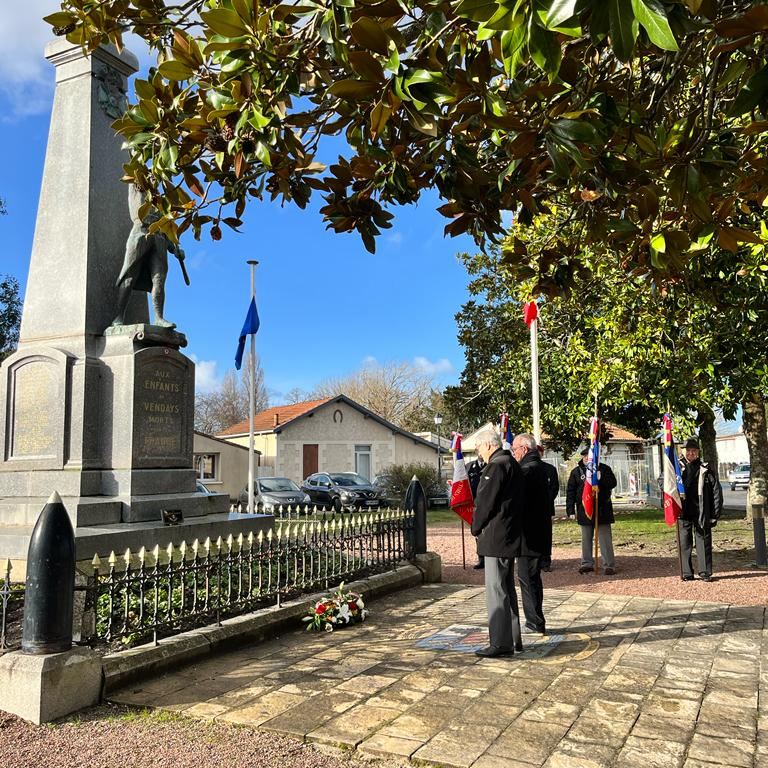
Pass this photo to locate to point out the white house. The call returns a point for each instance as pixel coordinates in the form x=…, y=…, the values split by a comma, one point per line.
x=334, y=434
x=221, y=465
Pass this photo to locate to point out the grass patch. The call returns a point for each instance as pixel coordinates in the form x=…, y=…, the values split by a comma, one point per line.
x=635, y=528
x=644, y=527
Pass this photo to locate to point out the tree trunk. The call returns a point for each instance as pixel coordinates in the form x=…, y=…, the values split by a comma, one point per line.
x=708, y=437
x=756, y=433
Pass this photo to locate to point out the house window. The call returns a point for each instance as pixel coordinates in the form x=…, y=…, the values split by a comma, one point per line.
x=207, y=466
x=363, y=460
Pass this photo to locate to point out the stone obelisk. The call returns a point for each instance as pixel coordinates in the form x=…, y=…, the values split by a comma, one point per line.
x=103, y=415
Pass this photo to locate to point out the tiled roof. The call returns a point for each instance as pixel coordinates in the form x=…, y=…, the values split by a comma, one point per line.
x=264, y=421
x=619, y=433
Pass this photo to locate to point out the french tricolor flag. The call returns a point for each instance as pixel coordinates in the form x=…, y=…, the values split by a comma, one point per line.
x=461, y=491
x=674, y=489
x=506, y=432
x=593, y=463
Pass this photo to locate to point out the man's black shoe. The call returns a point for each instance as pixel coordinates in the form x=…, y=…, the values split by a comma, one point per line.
x=705, y=577
x=547, y=568
x=479, y=566
x=609, y=571
x=687, y=578
x=519, y=648
x=491, y=652
x=586, y=569
x=527, y=629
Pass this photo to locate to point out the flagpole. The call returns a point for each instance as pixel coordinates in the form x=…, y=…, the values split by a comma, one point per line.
x=252, y=398
x=535, y=379
x=463, y=548
x=596, y=492
x=677, y=522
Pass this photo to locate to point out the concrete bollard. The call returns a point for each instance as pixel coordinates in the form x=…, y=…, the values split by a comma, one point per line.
x=416, y=502
x=48, y=600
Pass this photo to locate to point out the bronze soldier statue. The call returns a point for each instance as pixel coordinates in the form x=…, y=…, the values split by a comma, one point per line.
x=146, y=262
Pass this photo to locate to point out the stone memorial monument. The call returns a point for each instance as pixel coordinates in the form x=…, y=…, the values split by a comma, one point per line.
x=97, y=403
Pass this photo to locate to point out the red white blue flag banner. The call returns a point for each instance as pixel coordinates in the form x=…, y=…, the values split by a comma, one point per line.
x=506, y=432
x=673, y=489
x=592, y=465
x=462, y=502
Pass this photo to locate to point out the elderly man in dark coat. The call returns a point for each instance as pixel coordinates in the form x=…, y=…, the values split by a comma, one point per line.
x=702, y=507
x=497, y=524
x=537, y=527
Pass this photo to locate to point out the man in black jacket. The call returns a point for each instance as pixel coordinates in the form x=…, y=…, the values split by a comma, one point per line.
x=537, y=531
x=702, y=506
x=573, y=506
x=497, y=524
x=475, y=472
x=553, y=483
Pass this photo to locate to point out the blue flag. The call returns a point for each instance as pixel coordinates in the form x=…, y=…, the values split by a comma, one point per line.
x=251, y=325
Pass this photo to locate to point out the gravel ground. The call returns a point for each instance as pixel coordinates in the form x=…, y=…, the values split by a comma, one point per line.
x=117, y=736
x=637, y=574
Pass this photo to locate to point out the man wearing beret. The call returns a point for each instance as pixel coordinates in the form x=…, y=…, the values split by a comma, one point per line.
x=702, y=506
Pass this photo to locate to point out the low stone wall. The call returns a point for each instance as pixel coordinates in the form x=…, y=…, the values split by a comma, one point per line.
x=126, y=666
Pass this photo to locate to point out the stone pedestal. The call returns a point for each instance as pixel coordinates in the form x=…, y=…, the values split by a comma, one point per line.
x=44, y=688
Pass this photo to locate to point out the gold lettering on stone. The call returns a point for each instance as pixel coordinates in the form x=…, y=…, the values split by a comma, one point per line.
x=160, y=411
x=34, y=390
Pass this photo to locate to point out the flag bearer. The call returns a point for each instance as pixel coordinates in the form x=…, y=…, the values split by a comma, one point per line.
x=574, y=506
x=702, y=506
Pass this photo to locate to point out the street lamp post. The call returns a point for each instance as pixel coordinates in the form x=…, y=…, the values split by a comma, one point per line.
x=438, y=422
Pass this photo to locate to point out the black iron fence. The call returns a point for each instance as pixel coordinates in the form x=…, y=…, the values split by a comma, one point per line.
x=11, y=610
x=141, y=596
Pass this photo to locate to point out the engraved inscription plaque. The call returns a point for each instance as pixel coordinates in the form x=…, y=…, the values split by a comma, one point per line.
x=162, y=409
x=35, y=387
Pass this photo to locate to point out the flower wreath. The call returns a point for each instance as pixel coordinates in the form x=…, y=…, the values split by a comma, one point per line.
x=336, y=610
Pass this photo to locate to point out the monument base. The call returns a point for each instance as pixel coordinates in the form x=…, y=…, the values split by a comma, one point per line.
x=44, y=688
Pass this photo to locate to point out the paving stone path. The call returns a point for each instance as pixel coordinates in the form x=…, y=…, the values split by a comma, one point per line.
x=626, y=682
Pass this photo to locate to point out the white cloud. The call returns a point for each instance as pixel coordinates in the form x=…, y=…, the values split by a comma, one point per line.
x=436, y=368
x=370, y=361
x=207, y=377
x=26, y=78
x=395, y=238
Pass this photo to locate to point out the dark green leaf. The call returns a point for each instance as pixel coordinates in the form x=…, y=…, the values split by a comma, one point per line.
x=623, y=28
x=751, y=95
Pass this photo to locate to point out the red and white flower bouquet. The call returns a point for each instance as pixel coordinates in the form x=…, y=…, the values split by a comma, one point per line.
x=336, y=610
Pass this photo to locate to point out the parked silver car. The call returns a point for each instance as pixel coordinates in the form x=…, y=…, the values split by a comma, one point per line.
x=738, y=477
x=272, y=492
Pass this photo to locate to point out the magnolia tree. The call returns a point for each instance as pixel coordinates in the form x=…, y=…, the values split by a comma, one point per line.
x=645, y=115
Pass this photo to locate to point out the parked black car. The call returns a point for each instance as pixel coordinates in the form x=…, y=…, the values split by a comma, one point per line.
x=342, y=490
x=437, y=495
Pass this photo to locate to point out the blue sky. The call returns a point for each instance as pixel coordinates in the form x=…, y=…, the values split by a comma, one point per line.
x=326, y=304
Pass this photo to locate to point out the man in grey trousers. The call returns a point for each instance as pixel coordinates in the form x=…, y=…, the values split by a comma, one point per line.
x=574, y=506
x=498, y=526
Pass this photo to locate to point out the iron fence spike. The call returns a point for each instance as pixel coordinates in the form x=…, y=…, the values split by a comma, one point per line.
x=142, y=555
x=96, y=562
x=112, y=558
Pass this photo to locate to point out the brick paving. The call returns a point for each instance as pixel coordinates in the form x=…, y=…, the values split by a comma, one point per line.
x=622, y=681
